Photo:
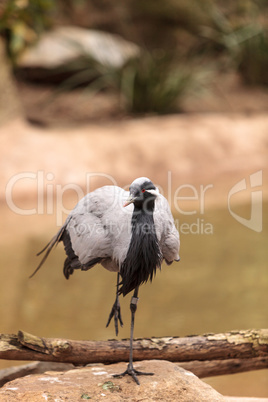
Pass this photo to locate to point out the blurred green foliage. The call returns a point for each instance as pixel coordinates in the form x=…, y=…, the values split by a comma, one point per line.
x=241, y=34
x=231, y=36
x=22, y=21
x=232, y=33
x=155, y=83
x=151, y=82
x=253, y=58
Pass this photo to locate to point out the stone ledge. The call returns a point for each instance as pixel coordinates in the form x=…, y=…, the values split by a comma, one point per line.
x=95, y=383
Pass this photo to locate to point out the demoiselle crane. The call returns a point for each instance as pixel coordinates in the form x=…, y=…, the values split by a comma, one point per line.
x=130, y=233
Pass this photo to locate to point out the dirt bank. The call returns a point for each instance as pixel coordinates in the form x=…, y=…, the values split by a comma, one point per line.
x=194, y=148
x=206, y=154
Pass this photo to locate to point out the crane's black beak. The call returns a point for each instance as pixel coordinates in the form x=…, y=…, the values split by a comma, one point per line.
x=130, y=200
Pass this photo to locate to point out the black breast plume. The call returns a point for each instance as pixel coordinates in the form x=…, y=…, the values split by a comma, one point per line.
x=144, y=255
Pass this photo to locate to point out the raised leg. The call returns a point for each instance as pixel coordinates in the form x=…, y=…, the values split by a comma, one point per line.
x=130, y=369
x=116, y=312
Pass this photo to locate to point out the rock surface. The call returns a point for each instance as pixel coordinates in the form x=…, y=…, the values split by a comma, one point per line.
x=64, y=44
x=95, y=383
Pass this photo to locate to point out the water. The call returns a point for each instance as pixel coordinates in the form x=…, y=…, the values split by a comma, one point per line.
x=220, y=284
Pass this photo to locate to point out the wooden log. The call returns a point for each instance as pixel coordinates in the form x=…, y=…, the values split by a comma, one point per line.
x=231, y=352
x=211, y=368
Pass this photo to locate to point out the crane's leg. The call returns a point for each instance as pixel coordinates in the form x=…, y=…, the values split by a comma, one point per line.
x=130, y=369
x=116, y=312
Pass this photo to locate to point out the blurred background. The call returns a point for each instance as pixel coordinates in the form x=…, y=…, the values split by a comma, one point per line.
x=101, y=92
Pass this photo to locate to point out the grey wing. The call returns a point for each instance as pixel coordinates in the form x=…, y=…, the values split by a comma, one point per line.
x=98, y=228
x=168, y=235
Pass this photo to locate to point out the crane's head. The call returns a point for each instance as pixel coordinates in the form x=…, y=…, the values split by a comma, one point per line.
x=141, y=191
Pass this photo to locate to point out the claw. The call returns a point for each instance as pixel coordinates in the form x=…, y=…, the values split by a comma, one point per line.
x=116, y=313
x=133, y=373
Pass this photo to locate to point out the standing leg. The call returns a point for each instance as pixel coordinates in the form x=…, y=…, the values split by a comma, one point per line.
x=130, y=369
x=116, y=312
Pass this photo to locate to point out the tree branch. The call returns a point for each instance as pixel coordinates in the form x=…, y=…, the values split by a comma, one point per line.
x=205, y=355
x=211, y=368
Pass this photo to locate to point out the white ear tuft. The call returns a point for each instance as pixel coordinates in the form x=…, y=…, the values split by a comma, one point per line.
x=153, y=192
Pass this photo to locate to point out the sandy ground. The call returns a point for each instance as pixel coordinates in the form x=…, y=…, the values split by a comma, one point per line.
x=194, y=148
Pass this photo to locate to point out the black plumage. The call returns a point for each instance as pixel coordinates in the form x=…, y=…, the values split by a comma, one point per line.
x=72, y=261
x=144, y=255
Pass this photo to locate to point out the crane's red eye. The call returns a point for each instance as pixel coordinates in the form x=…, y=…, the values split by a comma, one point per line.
x=143, y=190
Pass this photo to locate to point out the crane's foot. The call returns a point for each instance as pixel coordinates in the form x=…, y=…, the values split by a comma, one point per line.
x=133, y=373
x=116, y=313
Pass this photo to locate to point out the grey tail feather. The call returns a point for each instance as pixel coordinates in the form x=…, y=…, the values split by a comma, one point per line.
x=53, y=242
